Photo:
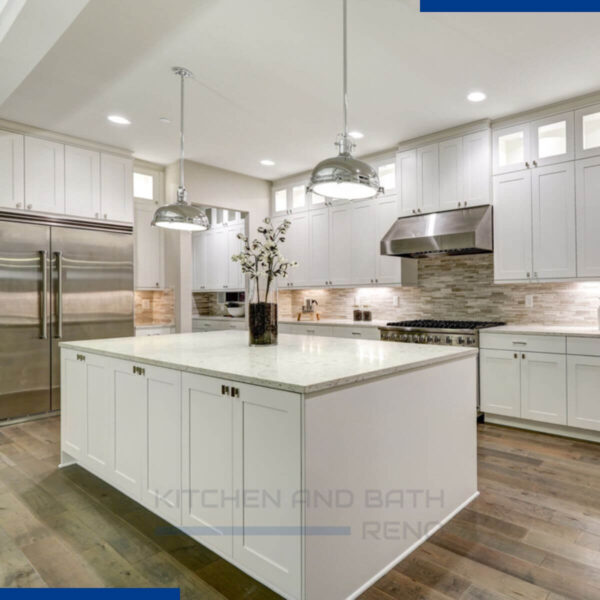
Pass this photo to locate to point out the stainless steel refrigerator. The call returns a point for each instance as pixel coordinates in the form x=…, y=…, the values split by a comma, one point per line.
x=59, y=280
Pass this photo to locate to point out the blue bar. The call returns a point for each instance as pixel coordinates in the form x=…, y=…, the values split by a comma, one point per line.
x=510, y=6
x=89, y=593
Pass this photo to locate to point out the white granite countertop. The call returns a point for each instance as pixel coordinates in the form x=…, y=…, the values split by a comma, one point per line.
x=336, y=322
x=545, y=330
x=215, y=318
x=155, y=326
x=299, y=363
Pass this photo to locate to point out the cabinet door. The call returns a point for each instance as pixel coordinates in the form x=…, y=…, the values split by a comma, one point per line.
x=477, y=168
x=511, y=149
x=199, y=260
x=298, y=198
x=428, y=187
x=553, y=213
x=451, y=173
x=234, y=270
x=73, y=400
x=512, y=226
x=340, y=237
x=389, y=268
x=544, y=387
x=44, y=176
x=267, y=466
x=552, y=140
x=217, y=268
x=279, y=202
x=406, y=181
x=129, y=402
x=149, y=250
x=297, y=249
x=588, y=216
x=207, y=463
x=82, y=182
x=500, y=382
x=583, y=392
x=587, y=131
x=11, y=170
x=161, y=445
x=319, y=246
x=363, y=243
x=116, y=188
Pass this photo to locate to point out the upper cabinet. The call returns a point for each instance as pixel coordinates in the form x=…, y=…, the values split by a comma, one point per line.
x=292, y=199
x=44, y=175
x=11, y=170
x=116, y=188
x=82, y=182
x=587, y=131
x=511, y=149
x=149, y=247
x=453, y=173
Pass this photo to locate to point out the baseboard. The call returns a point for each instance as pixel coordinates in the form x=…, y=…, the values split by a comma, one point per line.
x=560, y=430
x=410, y=550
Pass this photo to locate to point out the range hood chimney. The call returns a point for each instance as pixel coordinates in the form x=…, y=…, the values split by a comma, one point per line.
x=452, y=232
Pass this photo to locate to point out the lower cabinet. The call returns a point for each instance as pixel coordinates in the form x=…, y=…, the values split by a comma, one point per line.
x=584, y=391
x=529, y=385
x=357, y=333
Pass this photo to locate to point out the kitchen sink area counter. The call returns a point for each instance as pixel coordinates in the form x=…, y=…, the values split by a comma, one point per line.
x=567, y=330
x=316, y=434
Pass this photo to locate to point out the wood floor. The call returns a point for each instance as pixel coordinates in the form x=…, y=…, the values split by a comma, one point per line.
x=533, y=534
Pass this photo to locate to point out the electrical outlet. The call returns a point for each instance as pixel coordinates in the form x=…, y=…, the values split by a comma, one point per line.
x=145, y=304
x=396, y=300
x=529, y=301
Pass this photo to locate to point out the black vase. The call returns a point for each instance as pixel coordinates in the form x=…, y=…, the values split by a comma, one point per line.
x=262, y=323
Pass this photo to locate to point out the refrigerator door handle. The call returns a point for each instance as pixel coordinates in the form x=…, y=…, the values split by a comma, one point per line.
x=59, y=295
x=44, y=317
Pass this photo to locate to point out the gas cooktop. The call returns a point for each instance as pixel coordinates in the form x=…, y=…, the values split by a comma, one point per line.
x=443, y=324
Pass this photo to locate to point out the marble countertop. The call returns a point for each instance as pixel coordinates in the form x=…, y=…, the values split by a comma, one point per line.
x=545, y=330
x=336, y=322
x=303, y=364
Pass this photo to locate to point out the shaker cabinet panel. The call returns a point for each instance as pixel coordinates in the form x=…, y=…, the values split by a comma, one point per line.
x=512, y=226
x=216, y=259
x=235, y=278
x=406, y=182
x=588, y=216
x=82, y=182
x=477, y=171
x=116, y=188
x=389, y=268
x=363, y=244
x=199, y=262
x=428, y=192
x=500, y=381
x=511, y=149
x=11, y=170
x=149, y=247
x=319, y=246
x=587, y=131
x=296, y=244
x=44, y=175
x=583, y=392
x=552, y=140
x=340, y=237
x=553, y=213
x=451, y=172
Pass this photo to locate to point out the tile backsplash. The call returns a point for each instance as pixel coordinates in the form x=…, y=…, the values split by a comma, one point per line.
x=459, y=287
x=155, y=307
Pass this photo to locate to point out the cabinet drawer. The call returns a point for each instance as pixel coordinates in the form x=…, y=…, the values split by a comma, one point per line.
x=306, y=329
x=357, y=333
x=584, y=346
x=554, y=344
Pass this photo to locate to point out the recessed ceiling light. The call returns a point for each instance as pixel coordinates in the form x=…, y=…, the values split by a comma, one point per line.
x=267, y=162
x=476, y=97
x=118, y=120
x=357, y=135
x=165, y=120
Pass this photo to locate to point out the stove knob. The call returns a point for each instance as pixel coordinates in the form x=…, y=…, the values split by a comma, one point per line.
x=461, y=340
x=429, y=339
x=436, y=339
x=448, y=340
x=470, y=341
x=403, y=337
x=423, y=338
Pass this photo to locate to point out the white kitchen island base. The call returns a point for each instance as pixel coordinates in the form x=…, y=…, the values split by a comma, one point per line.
x=314, y=489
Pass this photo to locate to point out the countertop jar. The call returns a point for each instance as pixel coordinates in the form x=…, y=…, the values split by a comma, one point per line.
x=357, y=314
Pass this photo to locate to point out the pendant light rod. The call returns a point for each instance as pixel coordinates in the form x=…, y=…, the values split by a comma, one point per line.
x=183, y=73
x=345, y=51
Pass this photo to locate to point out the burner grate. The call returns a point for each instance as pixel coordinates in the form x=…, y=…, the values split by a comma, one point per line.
x=445, y=324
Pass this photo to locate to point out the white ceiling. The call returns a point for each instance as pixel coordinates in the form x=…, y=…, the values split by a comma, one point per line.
x=269, y=75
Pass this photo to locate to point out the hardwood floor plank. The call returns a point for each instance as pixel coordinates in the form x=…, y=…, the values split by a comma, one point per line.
x=400, y=587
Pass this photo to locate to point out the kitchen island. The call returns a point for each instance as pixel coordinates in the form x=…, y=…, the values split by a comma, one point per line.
x=314, y=465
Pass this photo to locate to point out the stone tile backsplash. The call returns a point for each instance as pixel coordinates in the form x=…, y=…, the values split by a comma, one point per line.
x=459, y=287
x=155, y=307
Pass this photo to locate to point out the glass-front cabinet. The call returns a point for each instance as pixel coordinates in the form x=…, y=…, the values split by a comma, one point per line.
x=511, y=149
x=587, y=131
x=291, y=199
x=552, y=140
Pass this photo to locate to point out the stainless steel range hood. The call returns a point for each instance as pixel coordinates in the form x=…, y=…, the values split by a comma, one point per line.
x=461, y=231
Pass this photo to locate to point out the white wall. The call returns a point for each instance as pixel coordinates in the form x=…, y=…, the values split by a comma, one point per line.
x=209, y=186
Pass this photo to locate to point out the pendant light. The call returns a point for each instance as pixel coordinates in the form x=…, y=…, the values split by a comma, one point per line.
x=181, y=215
x=344, y=177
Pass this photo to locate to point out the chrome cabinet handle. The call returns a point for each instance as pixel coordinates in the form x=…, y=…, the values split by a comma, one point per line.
x=535, y=163
x=59, y=294
x=44, y=318
x=527, y=165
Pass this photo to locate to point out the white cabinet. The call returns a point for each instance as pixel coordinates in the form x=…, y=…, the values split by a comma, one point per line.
x=406, y=174
x=588, y=216
x=512, y=226
x=268, y=460
x=318, y=246
x=511, y=148
x=291, y=199
x=204, y=325
x=157, y=330
x=73, y=402
x=296, y=248
x=217, y=268
x=149, y=247
x=235, y=277
x=82, y=182
x=207, y=463
x=11, y=170
x=587, y=131
x=357, y=333
x=116, y=188
x=552, y=140
x=363, y=243
x=553, y=221
x=500, y=381
x=340, y=238
x=428, y=192
x=451, y=173
x=544, y=387
x=44, y=175
x=199, y=260
x=583, y=392
x=477, y=168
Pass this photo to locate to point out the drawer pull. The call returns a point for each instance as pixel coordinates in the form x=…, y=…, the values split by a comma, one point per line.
x=81, y=357
x=519, y=343
x=356, y=333
x=139, y=370
x=522, y=356
x=516, y=355
x=224, y=390
x=235, y=392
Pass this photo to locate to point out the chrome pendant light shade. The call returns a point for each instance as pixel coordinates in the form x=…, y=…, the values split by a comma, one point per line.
x=344, y=177
x=181, y=215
